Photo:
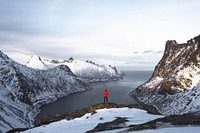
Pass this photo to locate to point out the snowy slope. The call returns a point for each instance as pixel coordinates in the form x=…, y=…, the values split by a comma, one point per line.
x=174, y=87
x=89, y=121
x=24, y=90
x=86, y=70
x=36, y=62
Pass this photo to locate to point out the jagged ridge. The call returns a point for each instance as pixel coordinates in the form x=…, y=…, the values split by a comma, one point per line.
x=87, y=71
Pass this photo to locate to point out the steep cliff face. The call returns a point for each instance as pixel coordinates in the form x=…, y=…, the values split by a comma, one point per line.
x=87, y=71
x=24, y=90
x=174, y=86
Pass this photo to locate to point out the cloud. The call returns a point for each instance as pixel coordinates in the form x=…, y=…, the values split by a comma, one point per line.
x=160, y=52
x=148, y=52
x=19, y=28
x=135, y=52
x=102, y=31
x=152, y=52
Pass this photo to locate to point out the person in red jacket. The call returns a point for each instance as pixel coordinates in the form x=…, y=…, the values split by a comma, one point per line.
x=105, y=96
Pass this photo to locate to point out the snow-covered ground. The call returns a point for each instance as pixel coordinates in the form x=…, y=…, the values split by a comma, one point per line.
x=89, y=121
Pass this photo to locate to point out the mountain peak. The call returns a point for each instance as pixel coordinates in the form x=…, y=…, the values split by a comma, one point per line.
x=36, y=62
x=171, y=42
x=197, y=38
x=71, y=59
x=36, y=57
x=194, y=40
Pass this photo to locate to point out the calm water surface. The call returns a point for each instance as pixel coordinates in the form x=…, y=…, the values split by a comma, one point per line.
x=118, y=93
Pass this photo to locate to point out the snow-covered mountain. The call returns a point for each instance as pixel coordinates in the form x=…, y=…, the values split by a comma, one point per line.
x=24, y=90
x=174, y=87
x=87, y=71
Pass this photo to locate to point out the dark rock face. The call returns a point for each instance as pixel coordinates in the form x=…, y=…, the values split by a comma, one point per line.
x=24, y=90
x=175, y=79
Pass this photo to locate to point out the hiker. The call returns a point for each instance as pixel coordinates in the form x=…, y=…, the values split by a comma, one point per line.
x=105, y=96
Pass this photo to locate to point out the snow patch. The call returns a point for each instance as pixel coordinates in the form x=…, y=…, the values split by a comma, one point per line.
x=153, y=82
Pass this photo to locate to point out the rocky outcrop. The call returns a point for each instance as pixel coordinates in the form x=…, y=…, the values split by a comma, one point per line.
x=91, y=109
x=189, y=119
x=24, y=90
x=174, y=85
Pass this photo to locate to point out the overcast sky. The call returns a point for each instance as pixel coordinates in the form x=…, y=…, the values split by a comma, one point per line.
x=128, y=33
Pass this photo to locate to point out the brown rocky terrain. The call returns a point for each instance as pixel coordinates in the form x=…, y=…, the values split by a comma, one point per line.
x=174, y=87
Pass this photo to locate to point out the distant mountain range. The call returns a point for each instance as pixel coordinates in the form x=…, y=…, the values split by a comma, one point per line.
x=174, y=87
x=87, y=71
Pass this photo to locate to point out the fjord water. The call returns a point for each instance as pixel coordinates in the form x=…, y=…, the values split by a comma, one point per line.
x=118, y=93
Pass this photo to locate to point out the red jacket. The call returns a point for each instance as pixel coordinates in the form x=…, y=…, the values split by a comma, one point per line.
x=105, y=93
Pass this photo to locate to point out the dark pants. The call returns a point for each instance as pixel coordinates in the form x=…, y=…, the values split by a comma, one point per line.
x=105, y=99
